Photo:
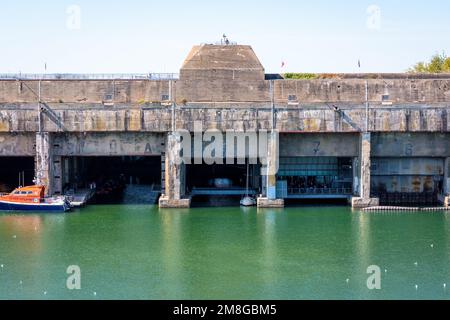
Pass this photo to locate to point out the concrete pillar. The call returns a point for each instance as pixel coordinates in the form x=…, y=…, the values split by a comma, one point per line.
x=269, y=171
x=447, y=182
x=175, y=186
x=48, y=168
x=66, y=171
x=355, y=169
x=57, y=182
x=364, y=200
x=76, y=172
x=43, y=164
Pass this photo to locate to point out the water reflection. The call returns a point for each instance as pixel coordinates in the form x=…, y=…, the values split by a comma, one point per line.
x=26, y=230
x=361, y=238
x=447, y=246
x=172, y=251
x=268, y=233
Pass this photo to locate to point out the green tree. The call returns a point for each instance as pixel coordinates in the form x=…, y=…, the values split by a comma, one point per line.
x=447, y=65
x=439, y=63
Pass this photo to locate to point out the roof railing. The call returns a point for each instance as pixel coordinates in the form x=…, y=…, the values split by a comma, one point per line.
x=89, y=76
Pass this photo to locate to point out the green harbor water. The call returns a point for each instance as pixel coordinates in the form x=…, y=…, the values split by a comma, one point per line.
x=141, y=252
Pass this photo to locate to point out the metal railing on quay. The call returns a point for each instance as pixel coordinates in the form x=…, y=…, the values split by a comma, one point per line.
x=310, y=191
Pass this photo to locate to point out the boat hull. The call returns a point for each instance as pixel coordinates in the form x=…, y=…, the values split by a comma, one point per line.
x=248, y=202
x=40, y=207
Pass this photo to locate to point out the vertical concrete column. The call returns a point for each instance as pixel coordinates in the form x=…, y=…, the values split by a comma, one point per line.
x=269, y=199
x=447, y=182
x=65, y=170
x=355, y=169
x=43, y=163
x=364, y=200
x=57, y=181
x=48, y=167
x=364, y=188
x=174, y=196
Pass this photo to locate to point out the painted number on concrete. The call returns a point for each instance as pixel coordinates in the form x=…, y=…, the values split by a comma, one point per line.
x=113, y=146
x=317, y=147
x=409, y=149
x=148, y=148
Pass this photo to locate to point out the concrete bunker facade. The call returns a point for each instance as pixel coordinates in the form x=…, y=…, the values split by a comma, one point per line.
x=368, y=139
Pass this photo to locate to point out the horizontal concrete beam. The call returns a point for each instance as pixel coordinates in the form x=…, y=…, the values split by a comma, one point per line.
x=410, y=144
x=319, y=145
x=109, y=144
x=18, y=144
x=304, y=118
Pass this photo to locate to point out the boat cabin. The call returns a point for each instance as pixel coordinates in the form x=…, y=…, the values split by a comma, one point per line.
x=32, y=194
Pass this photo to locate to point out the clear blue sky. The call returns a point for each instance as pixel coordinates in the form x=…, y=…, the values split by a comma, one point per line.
x=155, y=36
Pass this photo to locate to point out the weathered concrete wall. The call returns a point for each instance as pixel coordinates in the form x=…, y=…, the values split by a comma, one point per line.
x=175, y=175
x=320, y=145
x=109, y=144
x=353, y=118
x=354, y=90
x=364, y=199
x=365, y=163
x=18, y=118
x=303, y=118
x=44, y=161
x=17, y=144
x=411, y=145
x=216, y=90
x=408, y=166
x=92, y=118
x=324, y=105
x=84, y=91
x=406, y=174
x=230, y=62
x=268, y=171
x=220, y=91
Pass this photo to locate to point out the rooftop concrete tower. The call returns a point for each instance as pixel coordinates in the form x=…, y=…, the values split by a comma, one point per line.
x=233, y=62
